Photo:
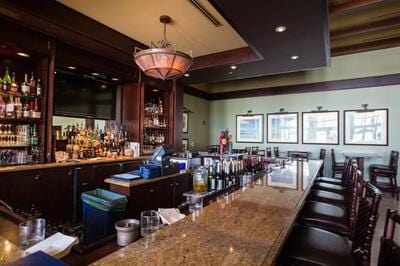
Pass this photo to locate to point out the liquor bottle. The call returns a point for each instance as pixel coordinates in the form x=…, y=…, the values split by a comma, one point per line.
x=160, y=106
x=18, y=108
x=38, y=88
x=34, y=136
x=25, y=89
x=220, y=181
x=227, y=175
x=26, y=109
x=13, y=86
x=36, y=112
x=210, y=178
x=7, y=81
x=2, y=108
x=10, y=108
x=32, y=84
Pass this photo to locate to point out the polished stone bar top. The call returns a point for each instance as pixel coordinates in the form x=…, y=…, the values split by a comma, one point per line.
x=246, y=227
x=141, y=181
x=28, y=167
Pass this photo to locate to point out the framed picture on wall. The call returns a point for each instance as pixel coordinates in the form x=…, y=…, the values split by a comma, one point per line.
x=185, y=122
x=320, y=127
x=283, y=128
x=185, y=144
x=366, y=127
x=250, y=128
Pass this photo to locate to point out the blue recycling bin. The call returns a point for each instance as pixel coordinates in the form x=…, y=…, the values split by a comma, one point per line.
x=101, y=210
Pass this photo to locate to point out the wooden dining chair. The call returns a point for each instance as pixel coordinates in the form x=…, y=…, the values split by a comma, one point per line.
x=322, y=155
x=337, y=168
x=389, y=253
x=297, y=154
x=276, y=152
x=248, y=150
x=254, y=150
x=268, y=152
x=387, y=171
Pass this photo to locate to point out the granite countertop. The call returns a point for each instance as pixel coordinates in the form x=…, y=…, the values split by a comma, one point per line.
x=141, y=181
x=27, y=167
x=247, y=227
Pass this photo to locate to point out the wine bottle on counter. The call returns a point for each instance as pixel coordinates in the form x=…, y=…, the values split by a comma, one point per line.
x=13, y=85
x=7, y=81
x=32, y=84
x=25, y=89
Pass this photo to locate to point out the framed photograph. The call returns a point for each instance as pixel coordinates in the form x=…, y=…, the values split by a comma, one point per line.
x=283, y=128
x=185, y=127
x=277, y=178
x=320, y=127
x=366, y=127
x=185, y=144
x=250, y=128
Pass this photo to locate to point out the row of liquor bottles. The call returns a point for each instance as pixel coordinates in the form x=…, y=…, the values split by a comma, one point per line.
x=154, y=106
x=155, y=121
x=18, y=135
x=154, y=137
x=225, y=173
x=9, y=84
x=14, y=108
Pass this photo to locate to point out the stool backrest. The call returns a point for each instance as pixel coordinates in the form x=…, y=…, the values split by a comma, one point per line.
x=269, y=152
x=367, y=216
x=322, y=154
x=276, y=151
x=394, y=160
x=389, y=254
x=333, y=157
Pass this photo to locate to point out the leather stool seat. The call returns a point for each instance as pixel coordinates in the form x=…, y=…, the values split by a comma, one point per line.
x=329, y=217
x=330, y=187
x=326, y=196
x=314, y=246
x=329, y=180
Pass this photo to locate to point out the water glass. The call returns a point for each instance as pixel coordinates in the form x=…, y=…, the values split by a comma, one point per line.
x=195, y=202
x=150, y=222
x=31, y=232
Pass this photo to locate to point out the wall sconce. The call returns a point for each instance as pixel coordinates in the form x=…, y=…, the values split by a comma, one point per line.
x=364, y=106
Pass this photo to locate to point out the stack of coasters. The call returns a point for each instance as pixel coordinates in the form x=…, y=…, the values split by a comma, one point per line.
x=150, y=171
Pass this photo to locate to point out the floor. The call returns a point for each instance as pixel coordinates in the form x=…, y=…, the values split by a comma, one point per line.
x=387, y=202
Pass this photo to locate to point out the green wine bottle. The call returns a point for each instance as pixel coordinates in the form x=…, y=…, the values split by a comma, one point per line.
x=7, y=81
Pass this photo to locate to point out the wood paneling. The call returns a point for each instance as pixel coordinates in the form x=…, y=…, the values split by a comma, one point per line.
x=131, y=106
x=367, y=46
x=351, y=6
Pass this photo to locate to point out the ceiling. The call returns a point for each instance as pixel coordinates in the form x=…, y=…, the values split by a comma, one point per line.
x=190, y=30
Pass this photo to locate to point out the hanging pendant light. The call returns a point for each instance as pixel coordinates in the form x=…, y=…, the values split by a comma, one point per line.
x=162, y=61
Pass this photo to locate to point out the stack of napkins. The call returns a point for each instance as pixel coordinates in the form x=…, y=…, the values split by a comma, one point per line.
x=125, y=177
x=170, y=216
x=57, y=245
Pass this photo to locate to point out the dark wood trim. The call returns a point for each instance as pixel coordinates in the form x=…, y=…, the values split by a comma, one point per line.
x=320, y=112
x=118, y=104
x=298, y=127
x=196, y=92
x=362, y=110
x=225, y=58
x=367, y=46
x=366, y=28
x=351, y=6
x=262, y=133
x=346, y=84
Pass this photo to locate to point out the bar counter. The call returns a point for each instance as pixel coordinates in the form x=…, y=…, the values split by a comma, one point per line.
x=248, y=226
x=27, y=167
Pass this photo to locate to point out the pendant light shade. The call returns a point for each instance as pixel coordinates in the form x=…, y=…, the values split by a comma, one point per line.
x=162, y=61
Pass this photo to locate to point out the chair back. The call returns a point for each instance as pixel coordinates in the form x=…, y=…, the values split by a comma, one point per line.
x=367, y=216
x=322, y=154
x=248, y=150
x=254, y=150
x=269, y=152
x=298, y=154
x=261, y=153
x=352, y=194
x=276, y=151
x=333, y=157
x=394, y=160
x=389, y=253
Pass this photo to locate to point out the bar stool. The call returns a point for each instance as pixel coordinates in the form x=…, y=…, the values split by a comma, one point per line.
x=276, y=152
x=337, y=168
x=269, y=152
x=334, y=180
x=308, y=245
x=389, y=253
x=322, y=155
x=389, y=171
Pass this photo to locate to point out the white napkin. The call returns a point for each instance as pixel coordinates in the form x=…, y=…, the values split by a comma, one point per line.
x=170, y=216
x=57, y=245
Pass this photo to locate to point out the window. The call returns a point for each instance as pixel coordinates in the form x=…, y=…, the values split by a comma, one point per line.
x=366, y=127
x=282, y=128
x=321, y=127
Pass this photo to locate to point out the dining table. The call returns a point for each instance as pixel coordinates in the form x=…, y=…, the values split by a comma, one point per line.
x=361, y=156
x=246, y=227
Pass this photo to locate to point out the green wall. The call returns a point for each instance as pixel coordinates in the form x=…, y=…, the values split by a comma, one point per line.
x=223, y=114
x=198, y=122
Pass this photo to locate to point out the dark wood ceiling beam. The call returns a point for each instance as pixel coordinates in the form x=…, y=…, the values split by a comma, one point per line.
x=351, y=6
x=367, y=46
x=231, y=57
x=366, y=28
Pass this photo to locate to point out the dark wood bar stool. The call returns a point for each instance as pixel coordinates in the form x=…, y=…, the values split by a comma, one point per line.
x=322, y=155
x=337, y=168
x=308, y=245
x=389, y=253
x=269, y=152
x=276, y=152
x=388, y=171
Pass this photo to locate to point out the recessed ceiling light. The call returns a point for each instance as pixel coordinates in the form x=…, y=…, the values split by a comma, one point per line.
x=294, y=57
x=55, y=72
x=155, y=90
x=230, y=72
x=280, y=29
x=103, y=86
x=186, y=75
x=22, y=54
x=71, y=67
x=95, y=74
x=115, y=79
x=233, y=67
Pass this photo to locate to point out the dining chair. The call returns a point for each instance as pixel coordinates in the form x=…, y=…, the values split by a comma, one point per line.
x=276, y=152
x=307, y=245
x=248, y=150
x=322, y=155
x=254, y=150
x=269, y=152
x=389, y=253
x=337, y=168
x=388, y=171
x=297, y=154
x=261, y=152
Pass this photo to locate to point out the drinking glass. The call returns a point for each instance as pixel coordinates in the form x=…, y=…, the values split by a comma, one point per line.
x=149, y=222
x=195, y=202
x=31, y=232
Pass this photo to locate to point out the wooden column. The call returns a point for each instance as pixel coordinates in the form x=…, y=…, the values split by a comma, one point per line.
x=176, y=106
x=131, y=109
